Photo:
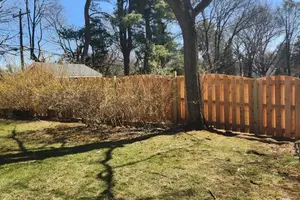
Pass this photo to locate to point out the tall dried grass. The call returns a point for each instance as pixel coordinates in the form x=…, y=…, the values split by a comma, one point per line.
x=139, y=99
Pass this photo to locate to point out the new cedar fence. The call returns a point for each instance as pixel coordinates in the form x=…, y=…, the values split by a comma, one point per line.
x=263, y=106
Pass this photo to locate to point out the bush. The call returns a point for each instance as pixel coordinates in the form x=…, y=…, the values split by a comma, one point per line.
x=139, y=99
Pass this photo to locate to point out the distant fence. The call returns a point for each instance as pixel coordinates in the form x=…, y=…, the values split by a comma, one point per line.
x=263, y=106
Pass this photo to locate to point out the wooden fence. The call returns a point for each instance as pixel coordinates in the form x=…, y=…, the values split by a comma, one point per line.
x=264, y=106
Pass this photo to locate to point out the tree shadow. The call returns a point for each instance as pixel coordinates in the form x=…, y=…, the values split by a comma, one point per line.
x=77, y=135
x=19, y=142
x=107, y=176
x=252, y=137
x=57, y=152
x=173, y=194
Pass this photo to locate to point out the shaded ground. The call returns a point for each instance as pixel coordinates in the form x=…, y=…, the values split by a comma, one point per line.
x=49, y=160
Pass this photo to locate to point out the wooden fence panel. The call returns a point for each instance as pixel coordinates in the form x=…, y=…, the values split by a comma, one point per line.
x=269, y=91
x=278, y=96
x=209, y=100
x=175, y=99
x=288, y=104
x=268, y=105
x=251, y=105
x=255, y=107
x=260, y=119
x=234, y=105
x=297, y=108
x=242, y=105
x=217, y=101
x=226, y=103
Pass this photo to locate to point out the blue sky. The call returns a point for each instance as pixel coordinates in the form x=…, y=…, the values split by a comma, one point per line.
x=74, y=10
x=75, y=16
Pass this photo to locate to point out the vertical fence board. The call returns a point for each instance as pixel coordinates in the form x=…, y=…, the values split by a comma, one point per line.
x=293, y=121
x=288, y=104
x=260, y=95
x=185, y=102
x=233, y=104
x=217, y=92
x=255, y=107
x=209, y=100
x=278, y=97
x=242, y=105
x=269, y=102
x=204, y=95
x=226, y=104
x=250, y=105
x=297, y=108
x=213, y=89
x=175, y=101
x=179, y=100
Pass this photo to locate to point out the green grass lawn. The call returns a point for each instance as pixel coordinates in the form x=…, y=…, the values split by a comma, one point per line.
x=50, y=160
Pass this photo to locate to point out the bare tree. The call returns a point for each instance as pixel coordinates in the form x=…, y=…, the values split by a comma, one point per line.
x=254, y=44
x=186, y=15
x=220, y=24
x=37, y=11
x=289, y=19
x=6, y=13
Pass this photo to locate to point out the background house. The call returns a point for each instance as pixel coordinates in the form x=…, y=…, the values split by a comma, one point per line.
x=69, y=70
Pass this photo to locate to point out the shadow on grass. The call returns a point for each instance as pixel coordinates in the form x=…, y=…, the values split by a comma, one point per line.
x=172, y=194
x=252, y=137
x=19, y=142
x=106, y=175
x=57, y=152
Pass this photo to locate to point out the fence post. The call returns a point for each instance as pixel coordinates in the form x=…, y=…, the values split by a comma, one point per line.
x=174, y=99
x=255, y=107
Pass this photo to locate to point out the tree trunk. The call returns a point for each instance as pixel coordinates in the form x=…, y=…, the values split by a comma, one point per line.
x=87, y=33
x=126, y=56
x=148, y=41
x=288, y=56
x=191, y=75
x=249, y=67
x=125, y=35
x=186, y=14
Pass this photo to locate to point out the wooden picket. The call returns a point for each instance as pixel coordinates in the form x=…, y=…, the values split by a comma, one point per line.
x=297, y=108
x=263, y=106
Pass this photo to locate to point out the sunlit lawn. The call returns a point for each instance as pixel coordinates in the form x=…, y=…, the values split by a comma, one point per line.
x=50, y=160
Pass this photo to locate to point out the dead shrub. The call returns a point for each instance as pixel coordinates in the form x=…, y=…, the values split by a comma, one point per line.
x=138, y=99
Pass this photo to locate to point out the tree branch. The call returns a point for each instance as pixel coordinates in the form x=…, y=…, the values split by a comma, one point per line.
x=201, y=6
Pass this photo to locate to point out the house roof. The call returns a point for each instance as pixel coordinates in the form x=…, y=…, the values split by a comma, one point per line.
x=70, y=70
